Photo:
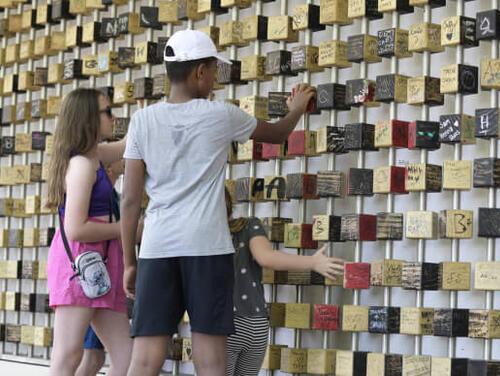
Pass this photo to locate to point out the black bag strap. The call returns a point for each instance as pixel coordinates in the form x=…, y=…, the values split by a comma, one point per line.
x=67, y=248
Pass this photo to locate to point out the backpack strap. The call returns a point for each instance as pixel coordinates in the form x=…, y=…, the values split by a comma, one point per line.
x=110, y=220
x=66, y=244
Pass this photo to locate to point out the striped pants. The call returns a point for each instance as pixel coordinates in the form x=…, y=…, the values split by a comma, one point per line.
x=247, y=346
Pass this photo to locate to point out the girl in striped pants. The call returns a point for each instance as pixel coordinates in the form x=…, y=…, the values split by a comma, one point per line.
x=253, y=251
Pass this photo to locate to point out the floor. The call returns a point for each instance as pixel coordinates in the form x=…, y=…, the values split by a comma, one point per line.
x=8, y=368
x=12, y=368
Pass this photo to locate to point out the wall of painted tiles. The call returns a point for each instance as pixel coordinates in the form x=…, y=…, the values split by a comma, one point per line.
x=301, y=211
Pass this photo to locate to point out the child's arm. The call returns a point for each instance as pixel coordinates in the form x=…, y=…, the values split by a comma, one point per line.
x=133, y=185
x=140, y=229
x=268, y=258
x=110, y=152
x=277, y=133
x=80, y=178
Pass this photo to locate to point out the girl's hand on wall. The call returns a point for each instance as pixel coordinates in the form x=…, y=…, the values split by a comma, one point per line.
x=328, y=267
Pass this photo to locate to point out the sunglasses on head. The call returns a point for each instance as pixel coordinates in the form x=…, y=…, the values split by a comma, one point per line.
x=107, y=111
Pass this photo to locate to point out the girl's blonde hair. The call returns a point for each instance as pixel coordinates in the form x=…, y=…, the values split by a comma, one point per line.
x=77, y=132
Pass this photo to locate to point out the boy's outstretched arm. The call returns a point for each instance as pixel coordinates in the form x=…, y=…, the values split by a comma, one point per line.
x=133, y=186
x=277, y=133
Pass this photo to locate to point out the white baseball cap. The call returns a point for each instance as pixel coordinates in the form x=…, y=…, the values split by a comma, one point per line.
x=191, y=45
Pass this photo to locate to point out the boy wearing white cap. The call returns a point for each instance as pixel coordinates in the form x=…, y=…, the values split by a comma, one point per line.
x=178, y=151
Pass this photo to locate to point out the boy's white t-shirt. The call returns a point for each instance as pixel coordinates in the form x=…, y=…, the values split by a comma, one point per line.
x=184, y=147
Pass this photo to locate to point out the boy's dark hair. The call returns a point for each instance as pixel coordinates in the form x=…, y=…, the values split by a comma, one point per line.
x=178, y=71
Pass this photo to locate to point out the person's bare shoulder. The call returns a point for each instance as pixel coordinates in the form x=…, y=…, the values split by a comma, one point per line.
x=82, y=166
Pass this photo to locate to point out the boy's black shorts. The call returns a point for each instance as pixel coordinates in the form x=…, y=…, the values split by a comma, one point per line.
x=166, y=287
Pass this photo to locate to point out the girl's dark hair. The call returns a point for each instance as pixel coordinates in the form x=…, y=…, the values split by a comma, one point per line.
x=229, y=203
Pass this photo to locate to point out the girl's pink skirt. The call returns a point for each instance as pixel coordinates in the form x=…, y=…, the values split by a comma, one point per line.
x=63, y=291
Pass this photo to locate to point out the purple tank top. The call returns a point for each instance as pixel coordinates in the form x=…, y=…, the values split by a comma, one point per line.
x=100, y=198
